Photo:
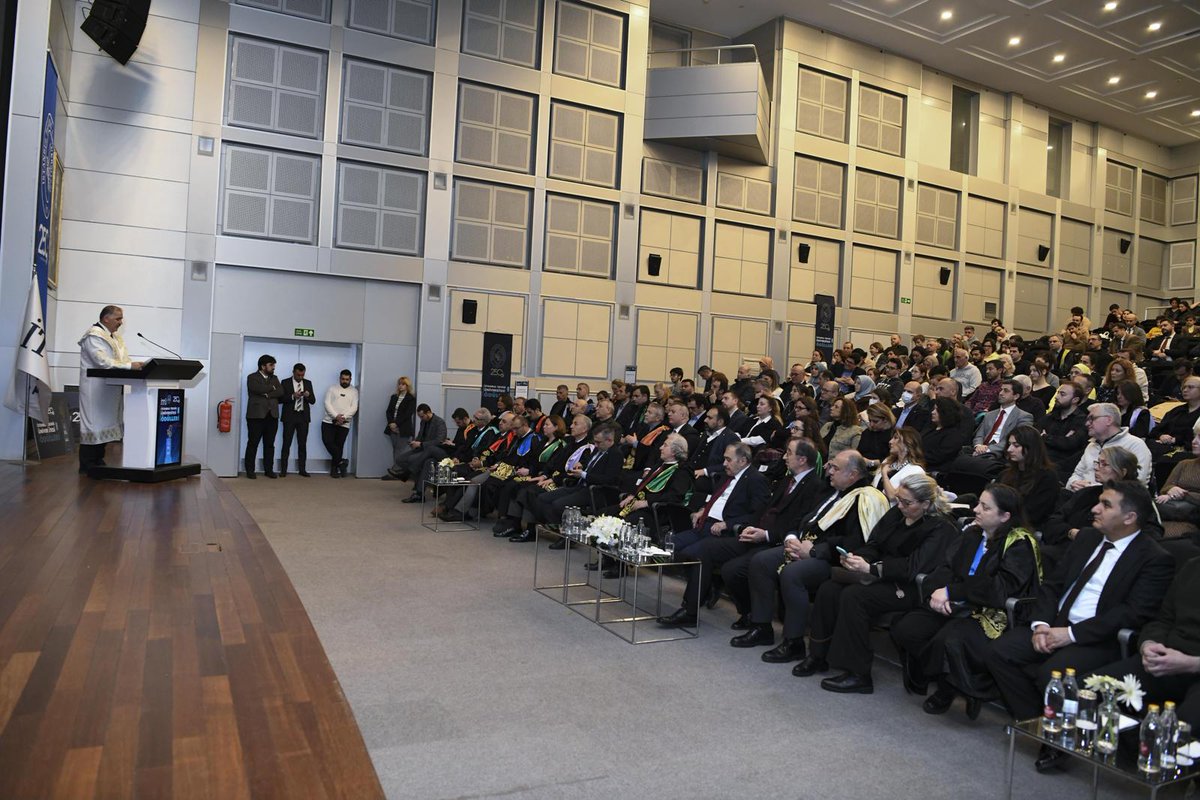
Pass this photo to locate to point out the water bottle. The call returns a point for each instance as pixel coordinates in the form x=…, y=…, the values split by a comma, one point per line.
x=1070, y=708
x=1151, y=742
x=1170, y=735
x=669, y=545
x=1052, y=708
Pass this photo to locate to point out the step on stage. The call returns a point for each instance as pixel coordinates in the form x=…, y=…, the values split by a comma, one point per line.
x=151, y=645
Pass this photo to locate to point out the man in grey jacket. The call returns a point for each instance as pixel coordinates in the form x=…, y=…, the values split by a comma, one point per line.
x=426, y=445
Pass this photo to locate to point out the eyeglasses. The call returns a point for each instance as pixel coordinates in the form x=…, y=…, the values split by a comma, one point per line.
x=906, y=503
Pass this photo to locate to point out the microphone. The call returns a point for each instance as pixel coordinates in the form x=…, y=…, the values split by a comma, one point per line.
x=159, y=346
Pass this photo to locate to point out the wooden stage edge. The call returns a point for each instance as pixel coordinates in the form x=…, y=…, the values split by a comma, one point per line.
x=151, y=645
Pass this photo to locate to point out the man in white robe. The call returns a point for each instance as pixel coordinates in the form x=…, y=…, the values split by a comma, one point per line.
x=101, y=406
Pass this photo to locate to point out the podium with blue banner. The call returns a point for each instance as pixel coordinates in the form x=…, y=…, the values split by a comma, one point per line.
x=152, y=450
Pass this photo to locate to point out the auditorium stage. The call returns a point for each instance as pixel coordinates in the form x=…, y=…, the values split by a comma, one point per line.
x=151, y=645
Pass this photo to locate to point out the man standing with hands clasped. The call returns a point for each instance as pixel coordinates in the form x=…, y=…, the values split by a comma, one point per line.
x=341, y=404
x=297, y=397
x=262, y=415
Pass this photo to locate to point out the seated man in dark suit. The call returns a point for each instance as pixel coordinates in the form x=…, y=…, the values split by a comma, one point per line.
x=707, y=458
x=602, y=468
x=1168, y=660
x=736, y=500
x=1113, y=576
x=912, y=411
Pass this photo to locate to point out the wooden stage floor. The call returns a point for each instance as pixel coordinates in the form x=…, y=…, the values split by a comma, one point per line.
x=151, y=645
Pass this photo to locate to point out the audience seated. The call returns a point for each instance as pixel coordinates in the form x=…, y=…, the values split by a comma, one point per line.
x=844, y=427
x=1031, y=473
x=1104, y=424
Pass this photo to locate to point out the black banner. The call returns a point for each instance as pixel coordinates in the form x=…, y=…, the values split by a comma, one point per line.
x=497, y=368
x=824, y=340
x=54, y=435
x=168, y=443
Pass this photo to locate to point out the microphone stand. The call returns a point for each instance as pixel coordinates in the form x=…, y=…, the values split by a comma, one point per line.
x=159, y=346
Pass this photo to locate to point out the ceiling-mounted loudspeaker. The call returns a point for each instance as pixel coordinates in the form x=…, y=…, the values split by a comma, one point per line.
x=654, y=264
x=803, y=251
x=1125, y=246
x=944, y=275
x=470, y=309
x=117, y=26
x=1043, y=251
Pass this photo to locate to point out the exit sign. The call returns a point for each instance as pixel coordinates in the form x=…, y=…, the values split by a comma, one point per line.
x=308, y=333
x=906, y=301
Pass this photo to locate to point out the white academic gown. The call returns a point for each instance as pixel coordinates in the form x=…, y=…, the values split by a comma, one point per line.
x=101, y=406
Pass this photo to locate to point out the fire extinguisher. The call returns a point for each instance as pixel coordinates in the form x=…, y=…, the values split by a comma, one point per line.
x=225, y=415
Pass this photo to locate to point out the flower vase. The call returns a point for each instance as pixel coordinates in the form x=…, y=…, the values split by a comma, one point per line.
x=1110, y=725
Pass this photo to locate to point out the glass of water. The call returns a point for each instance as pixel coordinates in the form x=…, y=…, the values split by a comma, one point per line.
x=1086, y=721
x=669, y=544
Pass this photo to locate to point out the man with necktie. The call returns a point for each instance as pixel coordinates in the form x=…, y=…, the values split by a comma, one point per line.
x=600, y=468
x=294, y=411
x=1112, y=577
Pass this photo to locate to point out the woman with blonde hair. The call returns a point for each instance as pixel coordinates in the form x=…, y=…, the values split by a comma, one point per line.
x=402, y=407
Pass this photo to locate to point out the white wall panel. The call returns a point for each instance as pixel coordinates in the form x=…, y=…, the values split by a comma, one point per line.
x=85, y=276
x=186, y=10
x=391, y=315
x=123, y=200
x=153, y=90
x=96, y=237
x=261, y=253
x=127, y=150
x=381, y=365
x=272, y=304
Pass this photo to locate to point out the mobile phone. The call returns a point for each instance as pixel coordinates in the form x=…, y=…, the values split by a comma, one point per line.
x=843, y=551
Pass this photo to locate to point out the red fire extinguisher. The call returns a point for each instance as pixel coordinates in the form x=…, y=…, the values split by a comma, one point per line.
x=225, y=415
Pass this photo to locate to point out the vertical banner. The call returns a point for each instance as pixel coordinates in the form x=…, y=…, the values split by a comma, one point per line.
x=824, y=339
x=45, y=197
x=168, y=443
x=497, y=368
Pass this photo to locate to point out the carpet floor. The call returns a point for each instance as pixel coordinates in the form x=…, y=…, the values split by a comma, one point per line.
x=466, y=683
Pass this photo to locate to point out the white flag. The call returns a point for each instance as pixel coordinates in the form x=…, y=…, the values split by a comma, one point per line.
x=31, y=379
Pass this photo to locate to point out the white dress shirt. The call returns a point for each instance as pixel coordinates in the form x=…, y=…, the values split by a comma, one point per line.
x=1089, y=596
x=717, y=510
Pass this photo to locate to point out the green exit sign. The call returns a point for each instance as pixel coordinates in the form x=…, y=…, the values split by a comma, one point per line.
x=308, y=333
x=906, y=301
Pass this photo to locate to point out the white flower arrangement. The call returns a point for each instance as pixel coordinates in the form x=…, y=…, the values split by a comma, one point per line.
x=1128, y=689
x=604, y=529
x=446, y=462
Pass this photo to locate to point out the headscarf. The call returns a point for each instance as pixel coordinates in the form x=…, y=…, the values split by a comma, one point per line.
x=866, y=385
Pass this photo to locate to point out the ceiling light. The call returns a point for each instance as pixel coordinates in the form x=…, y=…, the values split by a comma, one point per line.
x=1114, y=80
x=1059, y=58
x=1150, y=95
x=1014, y=41
x=1154, y=26
x=947, y=15
x=1196, y=113
x=1110, y=6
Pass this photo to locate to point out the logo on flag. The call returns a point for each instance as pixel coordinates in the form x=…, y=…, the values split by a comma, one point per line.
x=31, y=379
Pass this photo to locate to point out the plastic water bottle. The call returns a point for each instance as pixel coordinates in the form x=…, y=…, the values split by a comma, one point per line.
x=1052, y=708
x=1070, y=707
x=1170, y=735
x=1151, y=742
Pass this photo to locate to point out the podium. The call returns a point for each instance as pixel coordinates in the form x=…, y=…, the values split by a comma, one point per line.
x=153, y=446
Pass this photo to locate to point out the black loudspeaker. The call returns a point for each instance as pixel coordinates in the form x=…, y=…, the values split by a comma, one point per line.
x=117, y=26
x=470, y=309
x=944, y=275
x=803, y=251
x=654, y=264
x=1125, y=246
x=1043, y=251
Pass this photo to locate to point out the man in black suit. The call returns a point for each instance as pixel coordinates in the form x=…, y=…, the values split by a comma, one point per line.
x=294, y=407
x=562, y=402
x=1112, y=577
x=734, y=502
x=601, y=468
x=262, y=415
x=426, y=445
x=680, y=420
x=1061, y=359
x=739, y=422
x=708, y=458
x=911, y=410
x=629, y=416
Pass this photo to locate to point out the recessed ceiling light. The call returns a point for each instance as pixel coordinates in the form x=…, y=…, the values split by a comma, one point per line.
x=1114, y=80
x=1110, y=6
x=1150, y=95
x=1059, y=58
x=1014, y=41
x=947, y=15
x=1196, y=113
x=1154, y=26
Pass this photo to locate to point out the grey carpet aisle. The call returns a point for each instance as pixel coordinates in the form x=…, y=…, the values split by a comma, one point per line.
x=468, y=684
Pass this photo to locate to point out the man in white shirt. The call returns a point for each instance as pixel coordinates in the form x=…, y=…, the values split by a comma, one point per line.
x=1104, y=424
x=341, y=404
x=966, y=373
x=1111, y=577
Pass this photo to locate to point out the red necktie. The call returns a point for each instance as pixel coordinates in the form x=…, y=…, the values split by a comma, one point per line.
x=712, y=501
x=999, y=421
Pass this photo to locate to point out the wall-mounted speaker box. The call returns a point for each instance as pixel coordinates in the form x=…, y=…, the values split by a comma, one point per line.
x=470, y=309
x=116, y=26
x=654, y=264
x=1043, y=251
x=944, y=275
x=803, y=251
x=1125, y=246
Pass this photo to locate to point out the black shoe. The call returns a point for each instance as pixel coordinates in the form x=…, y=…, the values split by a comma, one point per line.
x=755, y=636
x=912, y=685
x=402, y=475
x=682, y=618
x=282, y=472
x=592, y=566
x=415, y=497
x=849, y=683
x=1049, y=759
x=271, y=475
x=940, y=701
x=974, y=706
x=251, y=475
x=612, y=573
x=742, y=623
x=520, y=536
x=334, y=473
x=714, y=597
x=451, y=516
x=810, y=665
x=788, y=650
x=303, y=473
x=345, y=462
x=387, y=476
x=560, y=544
